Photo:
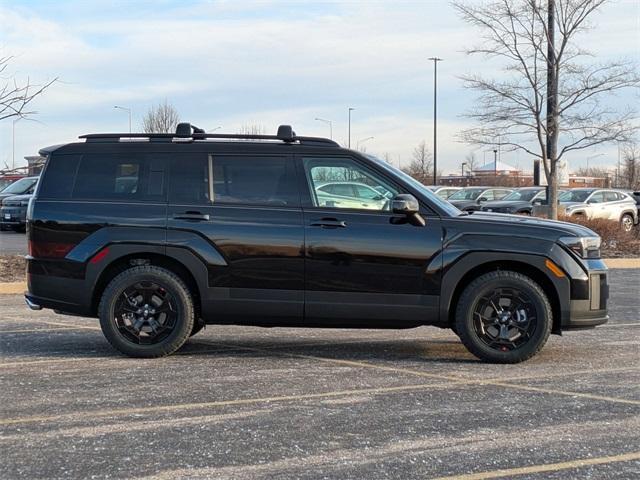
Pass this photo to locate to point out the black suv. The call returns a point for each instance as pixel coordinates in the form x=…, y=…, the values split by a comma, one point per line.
x=160, y=234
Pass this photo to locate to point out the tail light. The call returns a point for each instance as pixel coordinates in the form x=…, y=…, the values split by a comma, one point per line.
x=39, y=249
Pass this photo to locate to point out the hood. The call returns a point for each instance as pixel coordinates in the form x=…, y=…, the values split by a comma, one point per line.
x=505, y=203
x=18, y=198
x=561, y=229
x=461, y=204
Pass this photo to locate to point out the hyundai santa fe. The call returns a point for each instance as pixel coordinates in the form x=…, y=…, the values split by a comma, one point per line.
x=158, y=235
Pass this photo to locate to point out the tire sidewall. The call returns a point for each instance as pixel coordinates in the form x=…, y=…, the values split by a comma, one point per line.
x=484, y=285
x=168, y=281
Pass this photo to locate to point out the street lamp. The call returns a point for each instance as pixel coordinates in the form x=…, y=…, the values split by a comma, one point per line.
x=349, y=141
x=13, y=142
x=435, y=116
x=128, y=110
x=330, y=123
x=362, y=141
x=592, y=156
x=495, y=162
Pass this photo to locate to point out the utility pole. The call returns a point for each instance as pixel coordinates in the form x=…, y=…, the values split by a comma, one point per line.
x=13, y=143
x=552, y=111
x=495, y=164
x=435, y=117
x=349, y=141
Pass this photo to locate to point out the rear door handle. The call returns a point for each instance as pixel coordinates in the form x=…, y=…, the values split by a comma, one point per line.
x=329, y=223
x=195, y=216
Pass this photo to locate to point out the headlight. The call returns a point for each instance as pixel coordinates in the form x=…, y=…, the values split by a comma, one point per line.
x=585, y=247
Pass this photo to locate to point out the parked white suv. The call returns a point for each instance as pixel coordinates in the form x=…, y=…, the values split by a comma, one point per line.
x=601, y=203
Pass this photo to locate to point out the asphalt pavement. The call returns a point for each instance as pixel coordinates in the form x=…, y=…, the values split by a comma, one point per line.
x=13, y=243
x=252, y=403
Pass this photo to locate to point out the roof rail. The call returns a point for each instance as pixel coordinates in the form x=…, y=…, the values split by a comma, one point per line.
x=188, y=132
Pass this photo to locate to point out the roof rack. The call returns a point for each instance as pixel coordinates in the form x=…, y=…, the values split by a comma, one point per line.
x=188, y=132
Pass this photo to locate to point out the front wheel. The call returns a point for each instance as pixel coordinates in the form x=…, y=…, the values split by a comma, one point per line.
x=504, y=317
x=146, y=311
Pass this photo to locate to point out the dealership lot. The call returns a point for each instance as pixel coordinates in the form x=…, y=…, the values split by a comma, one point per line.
x=240, y=402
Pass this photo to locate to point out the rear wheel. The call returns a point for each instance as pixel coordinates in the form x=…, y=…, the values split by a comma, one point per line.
x=503, y=317
x=146, y=311
x=626, y=222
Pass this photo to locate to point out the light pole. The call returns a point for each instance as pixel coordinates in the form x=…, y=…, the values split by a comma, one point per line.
x=330, y=123
x=462, y=168
x=435, y=116
x=128, y=110
x=495, y=163
x=349, y=141
x=590, y=157
x=13, y=142
x=358, y=142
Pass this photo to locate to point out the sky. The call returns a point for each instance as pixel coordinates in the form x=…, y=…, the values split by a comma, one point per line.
x=233, y=63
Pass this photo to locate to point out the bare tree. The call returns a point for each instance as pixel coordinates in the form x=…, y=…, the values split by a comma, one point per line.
x=631, y=166
x=162, y=118
x=15, y=97
x=471, y=160
x=252, y=129
x=421, y=166
x=550, y=99
x=597, y=172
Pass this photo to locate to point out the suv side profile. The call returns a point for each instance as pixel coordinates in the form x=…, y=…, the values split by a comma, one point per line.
x=158, y=235
x=605, y=204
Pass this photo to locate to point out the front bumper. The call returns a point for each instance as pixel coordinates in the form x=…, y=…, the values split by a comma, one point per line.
x=589, y=297
x=13, y=216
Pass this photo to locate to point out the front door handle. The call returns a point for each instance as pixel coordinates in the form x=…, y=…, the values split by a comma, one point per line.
x=196, y=216
x=329, y=223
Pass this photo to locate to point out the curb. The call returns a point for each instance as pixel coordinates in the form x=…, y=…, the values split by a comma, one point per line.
x=12, y=288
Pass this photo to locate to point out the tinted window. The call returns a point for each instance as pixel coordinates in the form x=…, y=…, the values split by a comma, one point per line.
x=119, y=177
x=57, y=179
x=189, y=182
x=254, y=180
x=21, y=186
x=353, y=185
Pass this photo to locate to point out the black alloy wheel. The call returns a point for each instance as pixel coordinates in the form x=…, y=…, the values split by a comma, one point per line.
x=504, y=317
x=146, y=311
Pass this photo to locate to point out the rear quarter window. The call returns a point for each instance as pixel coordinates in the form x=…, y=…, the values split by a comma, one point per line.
x=125, y=178
x=57, y=179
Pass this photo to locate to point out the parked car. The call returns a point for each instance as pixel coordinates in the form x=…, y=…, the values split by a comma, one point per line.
x=351, y=195
x=442, y=191
x=520, y=201
x=13, y=212
x=470, y=199
x=601, y=203
x=23, y=186
x=233, y=231
x=8, y=178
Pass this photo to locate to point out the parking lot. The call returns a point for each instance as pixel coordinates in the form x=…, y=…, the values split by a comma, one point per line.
x=240, y=402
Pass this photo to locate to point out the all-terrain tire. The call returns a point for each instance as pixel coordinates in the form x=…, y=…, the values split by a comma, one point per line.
x=172, y=284
x=486, y=284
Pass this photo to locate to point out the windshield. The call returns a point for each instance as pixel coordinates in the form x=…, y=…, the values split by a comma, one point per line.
x=522, y=195
x=443, y=204
x=575, y=195
x=20, y=186
x=467, y=194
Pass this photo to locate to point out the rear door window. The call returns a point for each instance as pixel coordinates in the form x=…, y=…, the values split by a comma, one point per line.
x=254, y=180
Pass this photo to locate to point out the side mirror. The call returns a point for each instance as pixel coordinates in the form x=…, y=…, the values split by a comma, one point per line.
x=482, y=199
x=405, y=204
x=537, y=201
